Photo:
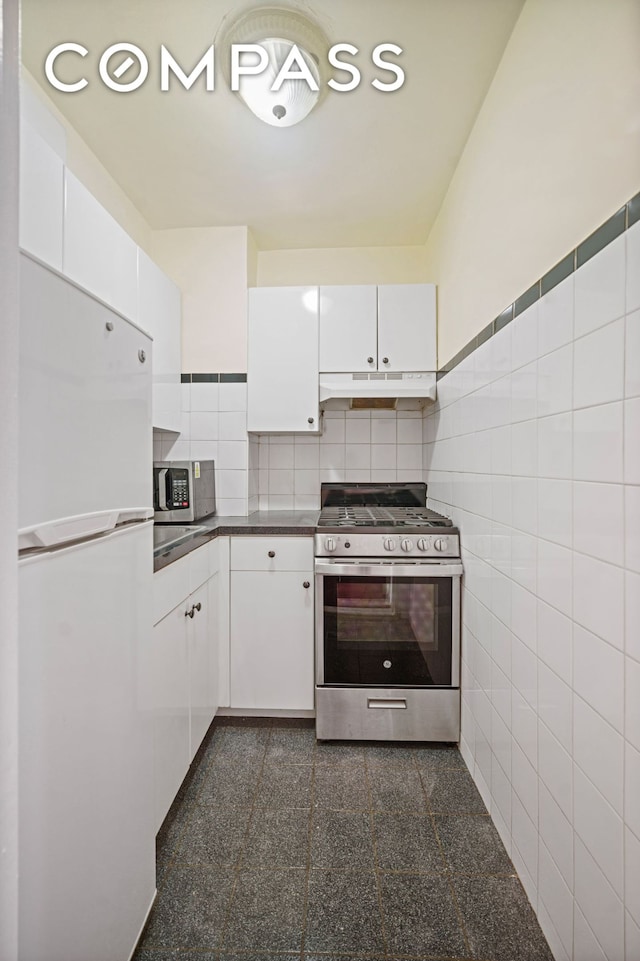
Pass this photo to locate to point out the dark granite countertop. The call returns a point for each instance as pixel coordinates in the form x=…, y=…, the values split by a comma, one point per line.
x=279, y=523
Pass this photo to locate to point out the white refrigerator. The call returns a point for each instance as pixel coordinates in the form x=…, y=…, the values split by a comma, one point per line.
x=86, y=823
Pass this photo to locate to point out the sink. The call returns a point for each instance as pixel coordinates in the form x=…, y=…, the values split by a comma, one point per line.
x=165, y=536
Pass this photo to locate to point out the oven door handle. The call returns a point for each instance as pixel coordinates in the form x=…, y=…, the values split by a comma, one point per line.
x=364, y=569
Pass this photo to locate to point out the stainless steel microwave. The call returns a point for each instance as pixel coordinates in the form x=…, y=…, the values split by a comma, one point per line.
x=183, y=490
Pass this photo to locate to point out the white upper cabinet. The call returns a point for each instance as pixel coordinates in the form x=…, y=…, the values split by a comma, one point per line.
x=369, y=328
x=348, y=329
x=159, y=311
x=98, y=254
x=41, y=198
x=407, y=327
x=282, y=381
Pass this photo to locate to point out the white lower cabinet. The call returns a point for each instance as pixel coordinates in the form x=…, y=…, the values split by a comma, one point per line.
x=184, y=667
x=271, y=623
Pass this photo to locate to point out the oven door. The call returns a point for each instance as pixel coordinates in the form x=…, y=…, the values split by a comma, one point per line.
x=387, y=624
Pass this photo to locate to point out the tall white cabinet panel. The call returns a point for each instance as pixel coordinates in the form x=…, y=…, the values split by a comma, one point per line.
x=106, y=437
x=170, y=687
x=283, y=392
x=159, y=313
x=87, y=853
x=184, y=666
x=348, y=329
x=271, y=623
x=203, y=661
x=98, y=254
x=407, y=327
x=41, y=198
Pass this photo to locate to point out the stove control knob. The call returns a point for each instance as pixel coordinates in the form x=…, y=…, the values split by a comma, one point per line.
x=330, y=544
x=423, y=544
x=406, y=544
x=389, y=544
x=441, y=544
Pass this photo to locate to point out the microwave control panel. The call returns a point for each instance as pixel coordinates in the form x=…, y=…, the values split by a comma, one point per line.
x=178, y=484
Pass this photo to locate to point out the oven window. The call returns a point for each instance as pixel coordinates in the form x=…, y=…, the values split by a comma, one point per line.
x=391, y=631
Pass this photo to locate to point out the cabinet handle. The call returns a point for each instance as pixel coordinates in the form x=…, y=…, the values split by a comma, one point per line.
x=306, y=584
x=309, y=420
x=190, y=613
x=142, y=356
x=109, y=325
x=385, y=360
x=369, y=360
x=198, y=606
x=272, y=553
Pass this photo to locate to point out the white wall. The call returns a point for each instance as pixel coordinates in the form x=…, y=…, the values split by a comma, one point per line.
x=555, y=150
x=210, y=265
x=9, y=22
x=534, y=449
x=342, y=265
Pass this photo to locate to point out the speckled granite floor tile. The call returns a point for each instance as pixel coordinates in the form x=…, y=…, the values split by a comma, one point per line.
x=499, y=920
x=279, y=848
x=343, y=913
x=231, y=783
x=420, y=916
x=407, y=842
x=341, y=786
x=342, y=839
x=291, y=745
x=213, y=835
x=285, y=785
x=278, y=838
x=396, y=790
x=191, y=910
x=472, y=845
x=267, y=912
x=451, y=791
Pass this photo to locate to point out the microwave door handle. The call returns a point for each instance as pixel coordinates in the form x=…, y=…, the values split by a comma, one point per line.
x=163, y=483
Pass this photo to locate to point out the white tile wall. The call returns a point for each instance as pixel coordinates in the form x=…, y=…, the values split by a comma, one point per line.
x=533, y=448
x=354, y=446
x=214, y=427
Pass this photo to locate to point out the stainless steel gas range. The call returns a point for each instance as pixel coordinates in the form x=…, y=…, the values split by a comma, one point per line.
x=388, y=575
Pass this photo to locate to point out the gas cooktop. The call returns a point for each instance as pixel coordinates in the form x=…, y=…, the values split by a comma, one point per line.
x=359, y=520
x=377, y=517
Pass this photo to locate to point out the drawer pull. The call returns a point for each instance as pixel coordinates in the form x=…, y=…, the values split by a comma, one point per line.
x=198, y=606
x=387, y=703
x=306, y=584
x=272, y=553
x=190, y=613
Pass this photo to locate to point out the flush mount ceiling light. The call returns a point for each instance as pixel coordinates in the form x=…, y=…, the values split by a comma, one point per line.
x=291, y=44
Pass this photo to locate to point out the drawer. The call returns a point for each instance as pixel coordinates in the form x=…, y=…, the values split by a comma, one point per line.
x=289, y=553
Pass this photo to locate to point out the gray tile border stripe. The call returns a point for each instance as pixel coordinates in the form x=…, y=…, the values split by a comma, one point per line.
x=593, y=244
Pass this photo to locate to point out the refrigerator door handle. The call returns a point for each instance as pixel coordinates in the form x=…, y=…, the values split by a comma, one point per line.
x=66, y=529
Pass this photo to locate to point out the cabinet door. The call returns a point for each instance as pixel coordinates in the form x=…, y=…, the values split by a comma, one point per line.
x=407, y=327
x=170, y=670
x=41, y=198
x=159, y=313
x=271, y=640
x=282, y=382
x=98, y=254
x=203, y=660
x=348, y=336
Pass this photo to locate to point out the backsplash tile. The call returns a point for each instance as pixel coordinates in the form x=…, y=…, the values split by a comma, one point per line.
x=551, y=616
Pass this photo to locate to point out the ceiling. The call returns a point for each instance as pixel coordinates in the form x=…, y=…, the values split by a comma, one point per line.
x=365, y=168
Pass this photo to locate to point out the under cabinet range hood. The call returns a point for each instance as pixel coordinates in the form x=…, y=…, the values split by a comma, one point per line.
x=377, y=390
